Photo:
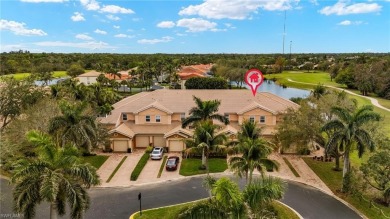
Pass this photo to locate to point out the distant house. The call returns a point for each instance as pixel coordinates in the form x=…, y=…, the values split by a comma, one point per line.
x=193, y=71
x=154, y=118
x=124, y=75
x=89, y=77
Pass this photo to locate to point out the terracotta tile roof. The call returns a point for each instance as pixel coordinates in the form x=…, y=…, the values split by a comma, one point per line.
x=123, y=129
x=124, y=76
x=92, y=73
x=180, y=131
x=186, y=76
x=181, y=101
x=191, y=71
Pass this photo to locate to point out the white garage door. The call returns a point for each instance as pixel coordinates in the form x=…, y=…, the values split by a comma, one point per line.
x=142, y=141
x=176, y=145
x=120, y=146
x=159, y=141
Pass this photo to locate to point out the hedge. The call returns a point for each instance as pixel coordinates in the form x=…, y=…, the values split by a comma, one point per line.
x=206, y=83
x=140, y=165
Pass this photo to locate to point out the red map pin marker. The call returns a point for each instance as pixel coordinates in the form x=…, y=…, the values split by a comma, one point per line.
x=254, y=78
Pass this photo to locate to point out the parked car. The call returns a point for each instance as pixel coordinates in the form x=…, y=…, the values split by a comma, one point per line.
x=172, y=163
x=157, y=153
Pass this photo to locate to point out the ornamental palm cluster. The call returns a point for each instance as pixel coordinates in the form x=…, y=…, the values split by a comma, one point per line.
x=56, y=176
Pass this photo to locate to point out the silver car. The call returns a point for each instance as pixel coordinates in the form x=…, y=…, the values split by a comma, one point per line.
x=157, y=153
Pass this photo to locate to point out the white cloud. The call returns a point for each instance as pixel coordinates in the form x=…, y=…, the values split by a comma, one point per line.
x=348, y=22
x=196, y=24
x=100, y=32
x=112, y=17
x=238, y=9
x=114, y=9
x=341, y=8
x=91, y=5
x=85, y=45
x=154, y=41
x=116, y=26
x=44, y=1
x=83, y=37
x=121, y=35
x=77, y=16
x=345, y=23
x=20, y=29
x=181, y=34
x=166, y=24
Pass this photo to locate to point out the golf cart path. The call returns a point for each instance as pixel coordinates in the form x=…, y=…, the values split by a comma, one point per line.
x=373, y=100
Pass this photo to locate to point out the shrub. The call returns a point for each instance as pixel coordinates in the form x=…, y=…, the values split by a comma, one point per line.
x=149, y=149
x=140, y=165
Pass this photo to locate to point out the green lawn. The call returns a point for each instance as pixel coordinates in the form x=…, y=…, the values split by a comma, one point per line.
x=96, y=161
x=21, y=76
x=190, y=166
x=324, y=78
x=172, y=211
x=333, y=179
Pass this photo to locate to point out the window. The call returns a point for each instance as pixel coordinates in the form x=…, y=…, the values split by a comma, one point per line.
x=158, y=118
x=182, y=116
x=124, y=116
x=262, y=119
x=251, y=119
x=147, y=118
x=227, y=116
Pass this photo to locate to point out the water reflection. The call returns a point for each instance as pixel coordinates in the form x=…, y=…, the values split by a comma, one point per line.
x=285, y=92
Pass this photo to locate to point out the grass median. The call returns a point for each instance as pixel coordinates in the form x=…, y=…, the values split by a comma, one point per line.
x=116, y=169
x=171, y=212
x=140, y=166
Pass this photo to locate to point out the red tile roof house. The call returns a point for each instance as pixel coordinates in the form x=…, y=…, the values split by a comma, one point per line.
x=154, y=118
x=192, y=71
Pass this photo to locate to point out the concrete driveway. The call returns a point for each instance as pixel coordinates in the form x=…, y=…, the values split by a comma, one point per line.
x=122, y=176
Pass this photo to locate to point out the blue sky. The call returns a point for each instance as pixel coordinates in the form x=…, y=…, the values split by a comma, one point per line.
x=183, y=26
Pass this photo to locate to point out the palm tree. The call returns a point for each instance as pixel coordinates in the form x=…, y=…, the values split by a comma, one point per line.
x=249, y=130
x=74, y=126
x=204, y=110
x=348, y=130
x=55, y=176
x=206, y=140
x=261, y=192
x=254, y=156
x=229, y=202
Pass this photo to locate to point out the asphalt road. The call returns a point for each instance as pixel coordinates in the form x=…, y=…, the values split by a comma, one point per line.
x=122, y=202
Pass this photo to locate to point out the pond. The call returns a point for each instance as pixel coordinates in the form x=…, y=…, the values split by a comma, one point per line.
x=285, y=92
x=51, y=82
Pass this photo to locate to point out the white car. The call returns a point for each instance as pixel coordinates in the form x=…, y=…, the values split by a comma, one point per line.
x=157, y=153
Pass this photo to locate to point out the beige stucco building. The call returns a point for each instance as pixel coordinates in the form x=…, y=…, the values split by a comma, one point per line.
x=154, y=118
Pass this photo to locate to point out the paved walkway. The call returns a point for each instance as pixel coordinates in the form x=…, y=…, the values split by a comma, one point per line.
x=373, y=100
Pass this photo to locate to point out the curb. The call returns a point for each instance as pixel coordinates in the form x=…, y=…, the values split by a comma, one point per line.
x=132, y=216
x=292, y=209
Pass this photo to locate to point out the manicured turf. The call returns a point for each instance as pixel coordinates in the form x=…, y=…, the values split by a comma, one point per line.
x=140, y=166
x=333, y=179
x=296, y=174
x=190, y=166
x=162, y=166
x=116, y=169
x=21, y=76
x=96, y=161
x=324, y=78
x=172, y=211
